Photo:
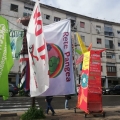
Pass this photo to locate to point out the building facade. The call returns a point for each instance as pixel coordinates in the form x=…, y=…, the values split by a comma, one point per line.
x=102, y=34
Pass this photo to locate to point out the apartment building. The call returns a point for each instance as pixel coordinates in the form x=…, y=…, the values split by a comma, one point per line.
x=101, y=33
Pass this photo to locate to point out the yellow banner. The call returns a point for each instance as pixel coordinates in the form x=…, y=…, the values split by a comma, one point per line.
x=86, y=61
x=82, y=45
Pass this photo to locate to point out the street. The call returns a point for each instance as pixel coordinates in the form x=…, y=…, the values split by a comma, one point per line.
x=111, y=105
x=23, y=103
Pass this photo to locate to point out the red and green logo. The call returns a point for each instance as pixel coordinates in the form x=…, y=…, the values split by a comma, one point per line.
x=56, y=60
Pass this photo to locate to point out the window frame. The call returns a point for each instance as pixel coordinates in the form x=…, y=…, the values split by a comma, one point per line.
x=82, y=24
x=13, y=9
x=108, y=46
x=99, y=39
x=45, y=17
x=83, y=38
x=118, y=44
x=98, y=27
x=57, y=19
x=111, y=69
x=118, y=32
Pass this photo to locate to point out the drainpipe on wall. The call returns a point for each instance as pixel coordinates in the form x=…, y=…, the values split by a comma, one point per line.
x=106, y=82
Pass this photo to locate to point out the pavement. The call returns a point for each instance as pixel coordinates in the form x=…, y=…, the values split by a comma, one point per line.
x=112, y=113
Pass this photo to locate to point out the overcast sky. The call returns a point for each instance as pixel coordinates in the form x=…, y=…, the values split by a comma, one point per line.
x=101, y=9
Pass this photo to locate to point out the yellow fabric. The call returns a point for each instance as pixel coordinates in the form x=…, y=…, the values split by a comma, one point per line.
x=82, y=45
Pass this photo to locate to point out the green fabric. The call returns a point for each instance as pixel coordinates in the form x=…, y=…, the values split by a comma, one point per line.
x=78, y=51
x=6, y=60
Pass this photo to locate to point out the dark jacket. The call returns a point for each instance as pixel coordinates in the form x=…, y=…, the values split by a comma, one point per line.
x=68, y=97
x=48, y=97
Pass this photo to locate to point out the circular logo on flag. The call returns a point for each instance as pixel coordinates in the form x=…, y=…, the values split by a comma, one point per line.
x=56, y=60
x=84, y=80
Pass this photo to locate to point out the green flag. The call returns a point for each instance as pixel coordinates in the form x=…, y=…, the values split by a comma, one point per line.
x=6, y=60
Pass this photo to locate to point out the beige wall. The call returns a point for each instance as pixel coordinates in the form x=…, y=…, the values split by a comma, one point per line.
x=15, y=67
x=89, y=31
x=86, y=29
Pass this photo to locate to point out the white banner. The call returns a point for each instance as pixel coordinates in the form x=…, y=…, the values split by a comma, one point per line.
x=38, y=57
x=58, y=38
x=16, y=39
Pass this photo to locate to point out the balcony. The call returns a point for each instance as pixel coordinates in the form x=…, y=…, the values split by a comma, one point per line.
x=108, y=34
x=111, y=70
x=110, y=60
x=108, y=31
x=111, y=74
x=109, y=44
x=110, y=57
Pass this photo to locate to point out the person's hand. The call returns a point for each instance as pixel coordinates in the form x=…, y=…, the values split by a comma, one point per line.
x=78, y=85
x=19, y=20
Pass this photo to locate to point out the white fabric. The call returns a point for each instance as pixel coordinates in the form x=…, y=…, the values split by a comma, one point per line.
x=39, y=79
x=55, y=33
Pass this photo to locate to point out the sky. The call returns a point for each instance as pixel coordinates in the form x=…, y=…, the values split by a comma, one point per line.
x=101, y=9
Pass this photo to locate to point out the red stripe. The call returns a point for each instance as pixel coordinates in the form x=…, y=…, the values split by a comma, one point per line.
x=42, y=57
x=24, y=59
x=41, y=48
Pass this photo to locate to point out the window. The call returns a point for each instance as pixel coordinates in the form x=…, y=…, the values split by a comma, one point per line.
x=118, y=32
x=27, y=11
x=109, y=44
x=110, y=55
x=57, y=19
x=109, y=81
x=72, y=23
x=108, y=31
x=98, y=28
x=111, y=68
x=83, y=38
x=14, y=8
x=118, y=44
x=47, y=17
x=99, y=41
x=82, y=24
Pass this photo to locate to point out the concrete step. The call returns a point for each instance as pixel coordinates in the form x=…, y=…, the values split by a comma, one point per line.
x=10, y=116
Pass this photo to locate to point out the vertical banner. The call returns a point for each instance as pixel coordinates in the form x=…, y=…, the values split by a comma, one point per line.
x=58, y=37
x=6, y=60
x=38, y=55
x=90, y=93
x=16, y=38
x=82, y=96
x=95, y=91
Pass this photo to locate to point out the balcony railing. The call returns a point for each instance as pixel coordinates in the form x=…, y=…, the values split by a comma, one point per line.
x=111, y=73
x=109, y=46
x=110, y=34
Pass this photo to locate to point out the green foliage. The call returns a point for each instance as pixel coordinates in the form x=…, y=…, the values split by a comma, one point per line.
x=21, y=92
x=32, y=114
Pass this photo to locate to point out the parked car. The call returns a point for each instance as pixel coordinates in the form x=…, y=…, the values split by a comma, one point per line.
x=114, y=89
x=13, y=90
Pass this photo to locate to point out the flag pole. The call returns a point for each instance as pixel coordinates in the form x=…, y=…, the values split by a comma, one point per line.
x=33, y=102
